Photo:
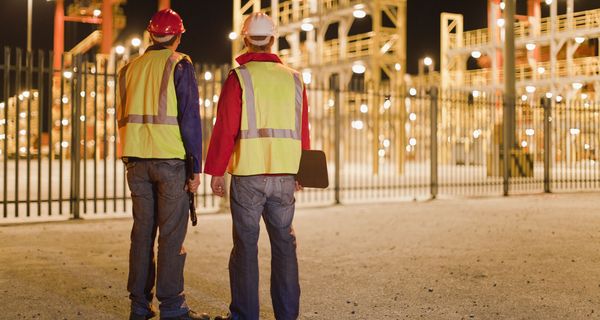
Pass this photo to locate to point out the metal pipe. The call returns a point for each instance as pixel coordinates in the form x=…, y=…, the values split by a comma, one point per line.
x=59, y=32
x=164, y=4
x=29, y=23
x=107, y=27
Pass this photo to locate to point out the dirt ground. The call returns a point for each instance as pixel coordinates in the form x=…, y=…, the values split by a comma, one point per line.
x=530, y=257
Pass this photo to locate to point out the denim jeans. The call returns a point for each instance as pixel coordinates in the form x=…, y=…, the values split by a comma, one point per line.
x=271, y=197
x=159, y=202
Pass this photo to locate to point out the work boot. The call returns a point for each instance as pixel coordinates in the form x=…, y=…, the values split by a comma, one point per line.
x=133, y=316
x=190, y=315
x=227, y=317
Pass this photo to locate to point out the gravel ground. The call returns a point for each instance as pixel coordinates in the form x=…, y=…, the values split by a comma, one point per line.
x=532, y=257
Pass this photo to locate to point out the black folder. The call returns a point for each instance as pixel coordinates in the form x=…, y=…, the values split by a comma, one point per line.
x=313, y=169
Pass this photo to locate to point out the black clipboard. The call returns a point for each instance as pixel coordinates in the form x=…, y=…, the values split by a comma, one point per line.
x=313, y=170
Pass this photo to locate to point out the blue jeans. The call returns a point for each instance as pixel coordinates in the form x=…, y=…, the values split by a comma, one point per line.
x=271, y=197
x=159, y=202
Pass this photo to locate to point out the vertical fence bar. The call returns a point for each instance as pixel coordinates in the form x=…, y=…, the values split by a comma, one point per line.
x=96, y=145
x=547, y=143
x=105, y=137
x=28, y=135
x=18, y=88
x=40, y=85
x=61, y=135
x=75, y=137
x=337, y=142
x=83, y=122
x=50, y=126
x=6, y=78
x=433, y=96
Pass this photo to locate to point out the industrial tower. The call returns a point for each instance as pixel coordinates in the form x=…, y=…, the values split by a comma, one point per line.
x=320, y=42
x=556, y=56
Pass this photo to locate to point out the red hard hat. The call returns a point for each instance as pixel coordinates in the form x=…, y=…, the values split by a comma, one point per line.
x=166, y=22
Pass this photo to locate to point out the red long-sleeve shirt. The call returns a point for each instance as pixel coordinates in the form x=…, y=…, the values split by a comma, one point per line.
x=229, y=115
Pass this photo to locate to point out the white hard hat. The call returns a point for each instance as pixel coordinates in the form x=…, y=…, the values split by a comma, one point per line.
x=258, y=24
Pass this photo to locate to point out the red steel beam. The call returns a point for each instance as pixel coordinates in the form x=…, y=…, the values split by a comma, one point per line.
x=107, y=27
x=59, y=32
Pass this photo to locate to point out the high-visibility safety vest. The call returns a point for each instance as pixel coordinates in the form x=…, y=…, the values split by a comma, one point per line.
x=270, y=139
x=147, y=107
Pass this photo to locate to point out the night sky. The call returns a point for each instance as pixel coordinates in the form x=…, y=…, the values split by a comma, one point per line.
x=209, y=22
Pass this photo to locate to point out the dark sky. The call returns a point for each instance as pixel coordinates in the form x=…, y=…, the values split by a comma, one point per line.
x=209, y=22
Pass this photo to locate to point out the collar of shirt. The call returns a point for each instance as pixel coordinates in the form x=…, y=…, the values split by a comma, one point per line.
x=257, y=56
x=155, y=47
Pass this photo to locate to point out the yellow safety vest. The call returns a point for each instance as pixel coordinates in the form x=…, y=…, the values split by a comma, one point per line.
x=270, y=129
x=147, y=107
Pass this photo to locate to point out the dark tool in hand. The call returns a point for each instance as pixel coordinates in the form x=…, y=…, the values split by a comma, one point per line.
x=189, y=167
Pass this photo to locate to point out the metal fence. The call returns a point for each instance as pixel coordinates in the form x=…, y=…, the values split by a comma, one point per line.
x=59, y=150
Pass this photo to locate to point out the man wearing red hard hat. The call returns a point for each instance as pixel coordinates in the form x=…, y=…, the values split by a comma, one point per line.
x=159, y=125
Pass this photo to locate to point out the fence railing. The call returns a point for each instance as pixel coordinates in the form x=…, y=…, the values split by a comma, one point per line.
x=59, y=150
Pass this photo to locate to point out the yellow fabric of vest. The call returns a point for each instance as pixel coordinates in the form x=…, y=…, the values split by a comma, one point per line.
x=270, y=129
x=147, y=107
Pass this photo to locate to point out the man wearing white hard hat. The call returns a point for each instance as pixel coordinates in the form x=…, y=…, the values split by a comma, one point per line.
x=260, y=132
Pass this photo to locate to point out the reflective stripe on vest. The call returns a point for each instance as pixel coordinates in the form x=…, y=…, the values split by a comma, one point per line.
x=161, y=117
x=252, y=132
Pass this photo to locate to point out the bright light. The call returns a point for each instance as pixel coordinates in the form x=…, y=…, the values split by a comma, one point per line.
x=330, y=103
x=529, y=132
x=548, y=2
x=26, y=94
x=364, y=108
x=207, y=103
x=358, y=124
x=381, y=153
x=387, y=104
x=412, y=116
x=476, y=133
x=397, y=66
x=523, y=98
x=136, y=42
x=549, y=95
x=559, y=98
x=21, y=97
x=586, y=146
x=412, y=142
x=307, y=77
x=359, y=12
x=577, y=85
x=574, y=131
x=530, y=46
x=541, y=70
x=359, y=68
x=502, y=5
x=208, y=76
x=82, y=94
x=65, y=122
x=215, y=98
x=500, y=22
x=307, y=26
x=386, y=143
x=408, y=148
x=530, y=89
x=412, y=91
x=82, y=118
x=23, y=115
x=476, y=54
x=584, y=96
x=523, y=143
x=64, y=144
x=23, y=149
x=97, y=13
x=2, y=105
x=2, y=136
x=233, y=35
x=22, y=132
x=476, y=93
x=65, y=100
x=579, y=40
x=427, y=61
x=120, y=49
x=68, y=74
